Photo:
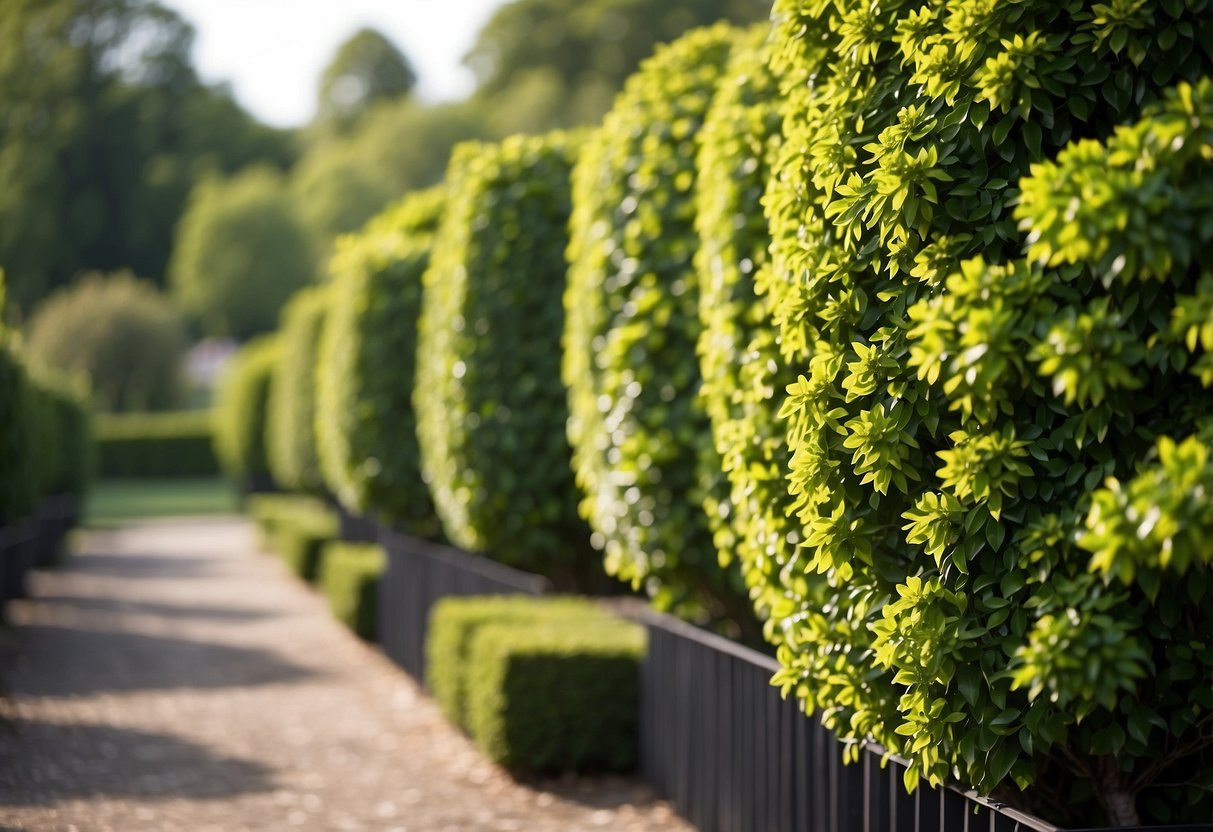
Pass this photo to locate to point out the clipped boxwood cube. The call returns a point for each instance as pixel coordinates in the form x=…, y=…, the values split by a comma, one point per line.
x=296, y=527
x=546, y=696
x=349, y=578
x=454, y=622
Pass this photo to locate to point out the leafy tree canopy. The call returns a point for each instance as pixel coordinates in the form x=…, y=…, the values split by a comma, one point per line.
x=366, y=70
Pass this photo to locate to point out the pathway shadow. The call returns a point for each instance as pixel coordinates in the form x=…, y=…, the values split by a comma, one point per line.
x=64, y=661
x=139, y=565
x=173, y=611
x=42, y=762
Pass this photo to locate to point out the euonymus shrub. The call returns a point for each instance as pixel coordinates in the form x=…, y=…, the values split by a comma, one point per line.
x=642, y=444
x=240, y=414
x=365, y=423
x=1001, y=380
x=291, y=436
x=490, y=406
x=738, y=353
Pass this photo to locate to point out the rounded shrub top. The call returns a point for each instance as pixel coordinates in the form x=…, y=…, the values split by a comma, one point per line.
x=490, y=406
x=120, y=333
x=642, y=445
x=241, y=410
x=291, y=437
x=738, y=351
x=978, y=352
x=365, y=423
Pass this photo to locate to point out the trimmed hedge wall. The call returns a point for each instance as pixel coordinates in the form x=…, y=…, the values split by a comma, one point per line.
x=365, y=423
x=167, y=444
x=738, y=352
x=491, y=409
x=549, y=698
x=291, y=440
x=349, y=578
x=18, y=492
x=642, y=445
x=453, y=624
x=990, y=336
x=241, y=411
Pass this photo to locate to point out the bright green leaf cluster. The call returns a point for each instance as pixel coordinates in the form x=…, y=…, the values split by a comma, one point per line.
x=642, y=443
x=291, y=429
x=983, y=337
x=491, y=410
x=366, y=428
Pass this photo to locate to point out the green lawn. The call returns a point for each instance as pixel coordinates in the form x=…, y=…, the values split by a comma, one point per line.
x=116, y=501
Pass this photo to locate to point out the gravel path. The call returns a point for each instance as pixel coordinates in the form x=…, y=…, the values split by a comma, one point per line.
x=171, y=679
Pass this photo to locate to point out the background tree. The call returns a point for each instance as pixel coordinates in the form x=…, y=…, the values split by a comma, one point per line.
x=241, y=252
x=119, y=332
x=586, y=48
x=366, y=70
x=106, y=128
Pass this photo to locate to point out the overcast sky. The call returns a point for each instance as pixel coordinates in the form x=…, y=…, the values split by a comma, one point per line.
x=273, y=51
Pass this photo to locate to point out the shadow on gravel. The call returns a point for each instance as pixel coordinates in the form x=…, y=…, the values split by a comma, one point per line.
x=63, y=661
x=174, y=611
x=43, y=762
x=137, y=565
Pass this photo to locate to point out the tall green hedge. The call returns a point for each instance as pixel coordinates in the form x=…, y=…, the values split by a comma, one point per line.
x=291, y=436
x=738, y=351
x=491, y=409
x=365, y=423
x=983, y=351
x=18, y=491
x=63, y=440
x=241, y=411
x=642, y=445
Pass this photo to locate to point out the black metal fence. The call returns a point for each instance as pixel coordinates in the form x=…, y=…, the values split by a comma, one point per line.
x=419, y=574
x=731, y=755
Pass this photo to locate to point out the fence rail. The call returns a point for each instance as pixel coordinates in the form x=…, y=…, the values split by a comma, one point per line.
x=418, y=575
x=732, y=755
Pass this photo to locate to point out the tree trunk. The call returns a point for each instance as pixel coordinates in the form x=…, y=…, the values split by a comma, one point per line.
x=1120, y=803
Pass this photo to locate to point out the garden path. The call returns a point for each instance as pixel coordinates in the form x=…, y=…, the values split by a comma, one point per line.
x=168, y=678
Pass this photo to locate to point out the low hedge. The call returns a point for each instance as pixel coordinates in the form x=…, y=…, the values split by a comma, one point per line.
x=454, y=623
x=548, y=697
x=349, y=578
x=296, y=527
x=168, y=444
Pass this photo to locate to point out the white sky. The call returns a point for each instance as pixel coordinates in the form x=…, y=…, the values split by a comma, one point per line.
x=273, y=51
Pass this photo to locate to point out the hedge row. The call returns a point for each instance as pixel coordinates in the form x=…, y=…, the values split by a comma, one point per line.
x=365, y=423
x=242, y=412
x=45, y=431
x=490, y=406
x=940, y=419
x=161, y=444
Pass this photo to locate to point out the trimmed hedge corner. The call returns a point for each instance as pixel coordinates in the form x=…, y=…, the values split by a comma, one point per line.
x=454, y=623
x=548, y=697
x=296, y=528
x=169, y=444
x=349, y=578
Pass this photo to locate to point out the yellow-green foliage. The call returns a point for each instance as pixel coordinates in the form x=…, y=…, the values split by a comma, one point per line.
x=983, y=337
x=365, y=423
x=295, y=527
x=642, y=445
x=176, y=443
x=738, y=352
x=349, y=578
x=241, y=410
x=490, y=406
x=291, y=438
